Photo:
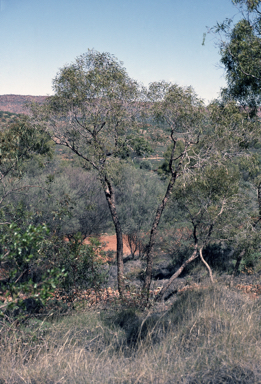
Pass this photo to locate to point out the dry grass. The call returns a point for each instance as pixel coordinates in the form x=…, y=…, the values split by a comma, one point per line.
x=208, y=336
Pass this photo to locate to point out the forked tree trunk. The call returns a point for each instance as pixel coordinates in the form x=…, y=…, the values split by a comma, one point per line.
x=177, y=273
x=110, y=197
x=153, y=233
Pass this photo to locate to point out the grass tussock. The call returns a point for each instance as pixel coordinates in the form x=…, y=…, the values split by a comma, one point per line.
x=208, y=336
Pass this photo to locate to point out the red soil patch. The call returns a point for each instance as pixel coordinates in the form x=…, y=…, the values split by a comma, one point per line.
x=111, y=243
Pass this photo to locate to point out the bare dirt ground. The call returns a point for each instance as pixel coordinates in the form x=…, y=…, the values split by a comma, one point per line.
x=111, y=243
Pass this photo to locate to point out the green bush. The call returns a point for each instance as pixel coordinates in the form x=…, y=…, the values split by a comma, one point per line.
x=84, y=264
x=250, y=261
x=29, y=274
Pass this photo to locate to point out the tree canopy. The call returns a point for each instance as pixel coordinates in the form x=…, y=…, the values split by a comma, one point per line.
x=240, y=49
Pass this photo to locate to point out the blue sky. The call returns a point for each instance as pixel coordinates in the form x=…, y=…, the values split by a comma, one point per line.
x=156, y=40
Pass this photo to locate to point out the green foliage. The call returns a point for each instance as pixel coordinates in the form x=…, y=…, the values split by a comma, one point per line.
x=240, y=54
x=84, y=264
x=141, y=146
x=176, y=109
x=250, y=261
x=69, y=200
x=94, y=110
x=7, y=118
x=206, y=198
x=23, y=258
x=145, y=164
x=164, y=169
x=19, y=142
x=219, y=257
x=93, y=74
x=136, y=201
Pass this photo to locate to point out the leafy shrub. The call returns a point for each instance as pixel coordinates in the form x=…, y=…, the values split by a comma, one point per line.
x=125, y=318
x=153, y=328
x=250, y=261
x=144, y=164
x=28, y=271
x=84, y=264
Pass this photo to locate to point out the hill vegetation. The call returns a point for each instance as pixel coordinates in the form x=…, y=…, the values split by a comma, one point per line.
x=17, y=103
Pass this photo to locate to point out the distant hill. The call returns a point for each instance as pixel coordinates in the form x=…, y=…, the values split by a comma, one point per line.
x=16, y=103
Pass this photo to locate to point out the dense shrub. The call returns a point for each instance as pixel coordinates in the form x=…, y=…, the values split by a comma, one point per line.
x=28, y=271
x=83, y=264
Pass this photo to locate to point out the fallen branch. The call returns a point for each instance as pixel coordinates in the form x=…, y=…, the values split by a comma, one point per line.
x=177, y=273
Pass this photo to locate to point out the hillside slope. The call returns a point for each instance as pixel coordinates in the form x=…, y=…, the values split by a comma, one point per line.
x=16, y=103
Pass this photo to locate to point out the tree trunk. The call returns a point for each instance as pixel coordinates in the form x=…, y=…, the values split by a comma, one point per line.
x=259, y=199
x=177, y=273
x=207, y=265
x=110, y=197
x=239, y=258
x=153, y=233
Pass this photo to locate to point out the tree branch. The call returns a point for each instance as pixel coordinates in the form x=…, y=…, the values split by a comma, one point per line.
x=177, y=273
x=206, y=264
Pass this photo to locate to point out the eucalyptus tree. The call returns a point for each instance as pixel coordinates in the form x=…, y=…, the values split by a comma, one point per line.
x=198, y=137
x=96, y=112
x=240, y=49
x=179, y=115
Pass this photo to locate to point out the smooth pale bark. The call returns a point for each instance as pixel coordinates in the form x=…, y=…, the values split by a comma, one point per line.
x=207, y=265
x=177, y=273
